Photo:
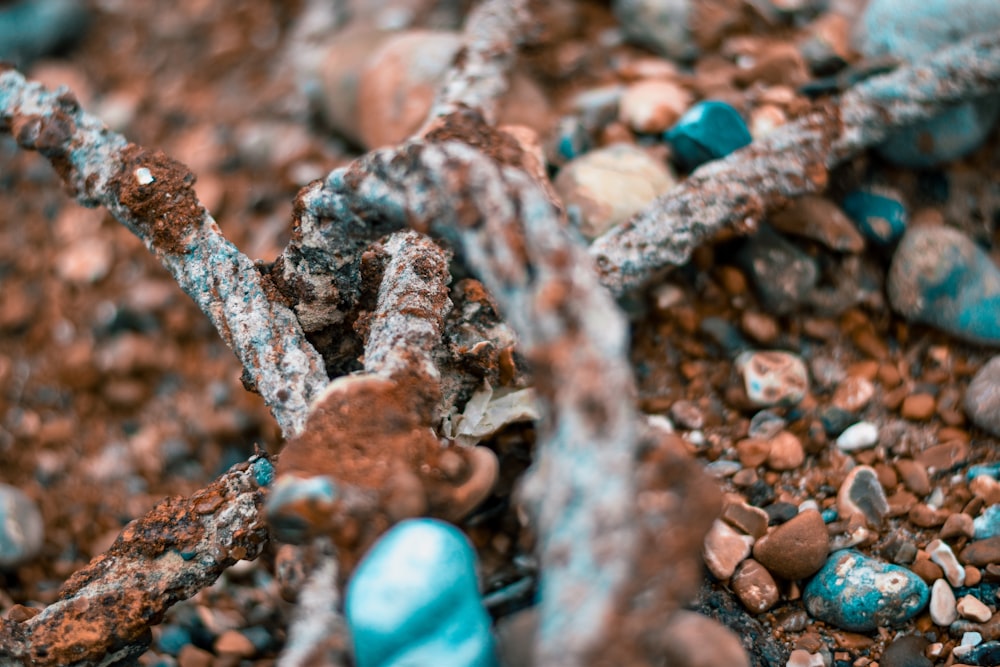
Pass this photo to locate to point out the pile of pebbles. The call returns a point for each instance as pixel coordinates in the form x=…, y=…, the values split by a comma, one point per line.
x=835, y=372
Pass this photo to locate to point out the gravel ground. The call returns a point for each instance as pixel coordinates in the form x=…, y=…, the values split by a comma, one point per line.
x=841, y=401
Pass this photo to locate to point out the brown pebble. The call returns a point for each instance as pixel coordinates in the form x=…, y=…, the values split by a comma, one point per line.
x=887, y=476
x=889, y=375
x=752, y=452
x=754, y=586
x=234, y=642
x=892, y=399
x=906, y=651
x=901, y=502
x=751, y=520
x=918, y=407
x=866, y=369
x=786, y=452
x=687, y=635
x=797, y=548
x=957, y=525
x=20, y=613
x=925, y=568
x=852, y=641
x=192, y=656
x=853, y=394
x=810, y=641
x=761, y=327
x=914, y=476
x=943, y=457
x=981, y=552
x=973, y=575
x=926, y=516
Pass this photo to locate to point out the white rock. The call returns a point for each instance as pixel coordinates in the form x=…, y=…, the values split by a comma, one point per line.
x=942, y=554
x=606, y=187
x=972, y=608
x=862, y=435
x=942, y=606
x=651, y=107
x=802, y=658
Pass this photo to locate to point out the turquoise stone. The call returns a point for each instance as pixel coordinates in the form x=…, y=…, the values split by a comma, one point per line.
x=707, y=131
x=910, y=31
x=940, y=277
x=881, y=218
x=861, y=594
x=414, y=601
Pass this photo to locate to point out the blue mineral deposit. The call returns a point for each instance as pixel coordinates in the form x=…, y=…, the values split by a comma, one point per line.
x=861, y=594
x=414, y=600
x=707, y=131
x=263, y=472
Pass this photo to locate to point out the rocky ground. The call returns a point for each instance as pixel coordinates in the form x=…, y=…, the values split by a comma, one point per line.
x=832, y=371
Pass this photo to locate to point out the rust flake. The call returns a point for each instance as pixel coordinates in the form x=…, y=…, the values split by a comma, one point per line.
x=162, y=202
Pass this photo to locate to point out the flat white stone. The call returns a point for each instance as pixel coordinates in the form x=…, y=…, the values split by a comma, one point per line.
x=972, y=608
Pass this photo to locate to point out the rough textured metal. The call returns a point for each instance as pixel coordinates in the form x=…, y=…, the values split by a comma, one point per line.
x=152, y=195
x=736, y=192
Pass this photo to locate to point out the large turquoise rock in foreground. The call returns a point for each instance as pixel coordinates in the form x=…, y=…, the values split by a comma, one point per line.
x=858, y=593
x=909, y=31
x=940, y=277
x=414, y=601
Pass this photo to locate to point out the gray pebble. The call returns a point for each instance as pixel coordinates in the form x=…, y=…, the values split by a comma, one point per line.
x=906, y=651
x=22, y=530
x=783, y=275
x=982, y=399
x=661, y=25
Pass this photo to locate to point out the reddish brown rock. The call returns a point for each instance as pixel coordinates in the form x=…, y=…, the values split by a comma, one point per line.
x=233, y=642
x=957, y=525
x=751, y=520
x=914, y=476
x=926, y=516
x=853, y=394
x=786, y=452
x=981, y=552
x=795, y=549
x=945, y=456
x=754, y=586
x=926, y=569
x=918, y=407
x=752, y=452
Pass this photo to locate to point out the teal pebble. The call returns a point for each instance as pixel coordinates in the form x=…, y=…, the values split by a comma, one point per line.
x=707, y=131
x=414, y=601
x=940, y=277
x=881, y=218
x=861, y=594
x=910, y=31
x=988, y=469
x=987, y=524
